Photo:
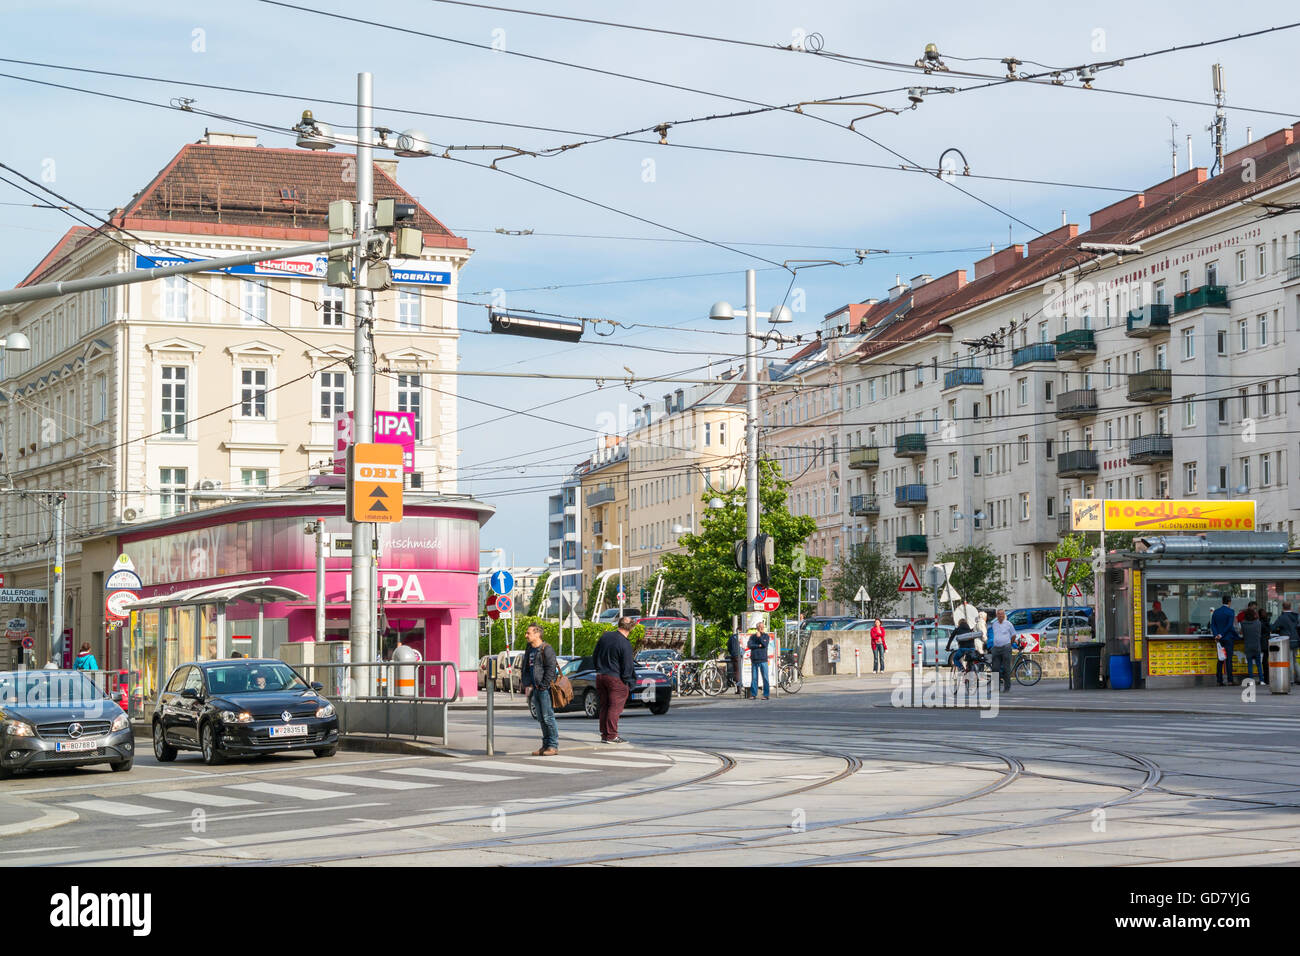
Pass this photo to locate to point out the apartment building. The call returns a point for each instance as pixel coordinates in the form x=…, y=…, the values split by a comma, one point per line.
x=143, y=395
x=1055, y=372
x=604, y=495
x=678, y=458
x=564, y=543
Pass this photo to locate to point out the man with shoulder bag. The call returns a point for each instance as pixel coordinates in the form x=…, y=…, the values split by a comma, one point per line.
x=538, y=672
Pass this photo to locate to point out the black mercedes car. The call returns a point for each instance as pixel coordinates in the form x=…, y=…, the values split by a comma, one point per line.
x=59, y=718
x=652, y=689
x=242, y=707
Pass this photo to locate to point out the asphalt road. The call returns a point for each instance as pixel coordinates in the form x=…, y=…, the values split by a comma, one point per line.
x=824, y=777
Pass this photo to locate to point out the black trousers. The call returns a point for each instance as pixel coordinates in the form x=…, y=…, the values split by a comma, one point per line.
x=1001, y=662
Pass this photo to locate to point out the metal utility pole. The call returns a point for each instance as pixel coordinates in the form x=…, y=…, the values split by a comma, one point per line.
x=1173, y=146
x=361, y=625
x=751, y=432
x=1220, y=126
x=621, y=596
x=56, y=595
x=320, y=580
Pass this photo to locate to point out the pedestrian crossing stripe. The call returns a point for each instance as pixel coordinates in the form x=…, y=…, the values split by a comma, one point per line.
x=202, y=798
x=285, y=790
x=373, y=783
x=114, y=808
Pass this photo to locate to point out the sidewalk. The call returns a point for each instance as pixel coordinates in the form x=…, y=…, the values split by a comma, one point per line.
x=17, y=816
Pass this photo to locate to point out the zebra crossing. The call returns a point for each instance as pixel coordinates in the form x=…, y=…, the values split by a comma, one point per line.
x=318, y=789
x=1200, y=727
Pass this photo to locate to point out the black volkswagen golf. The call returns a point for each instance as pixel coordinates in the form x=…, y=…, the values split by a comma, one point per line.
x=242, y=707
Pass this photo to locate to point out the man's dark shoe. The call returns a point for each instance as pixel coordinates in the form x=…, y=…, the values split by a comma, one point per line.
x=548, y=752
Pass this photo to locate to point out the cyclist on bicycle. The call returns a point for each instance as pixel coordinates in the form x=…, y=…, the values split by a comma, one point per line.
x=965, y=636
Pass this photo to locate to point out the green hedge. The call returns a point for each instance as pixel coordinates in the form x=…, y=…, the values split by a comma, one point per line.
x=584, y=641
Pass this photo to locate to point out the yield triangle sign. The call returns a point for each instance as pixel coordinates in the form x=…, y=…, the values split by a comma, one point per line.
x=1076, y=592
x=910, y=581
x=1063, y=568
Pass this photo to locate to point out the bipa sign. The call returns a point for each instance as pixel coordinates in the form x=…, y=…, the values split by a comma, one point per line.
x=391, y=428
x=396, y=586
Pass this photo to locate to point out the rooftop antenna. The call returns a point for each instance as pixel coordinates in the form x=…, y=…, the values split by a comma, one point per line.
x=1173, y=145
x=1220, y=126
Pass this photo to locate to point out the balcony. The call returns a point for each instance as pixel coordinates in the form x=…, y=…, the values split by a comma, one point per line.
x=1063, y=523
x=1076, y=464
x=1077, y=403
x=598, y=528
x=1077, y=343
x=1202, y=297
x=864, y=456
x=910, y=496
x=910, y=446
x=600, y=496
x=911, y=545
x=1149, y=449
x=1038, y=352
x=1148, y=321
x=598, y=559
x=957, y=377
x=864, y=505
x=1150, y=386
x=1292, y=268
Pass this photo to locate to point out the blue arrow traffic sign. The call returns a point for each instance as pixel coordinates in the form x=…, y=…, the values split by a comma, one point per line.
x=503, y=582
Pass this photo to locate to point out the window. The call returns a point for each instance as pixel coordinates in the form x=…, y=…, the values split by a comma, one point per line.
x=1023, y=385
x=1263, y=400
x=1245, y=472
x=172, y=484
x=253, y=477
x=1243, y=335
x=100, y=411
x=1266, y=469
x=1106, y=373
x=176, y=299
x=1047, y=390
x=252, y=296
x=174, y=399
x=1222, y=341
x=331, y=307
x=1263, y=331
x=1137, y=487
x=1189, y=413
x=975, y=465
x=952, y=464
x=1189, y=478
x=408, y=310
x=252, y=392
x=408, y=400
x=1212, y=273
x=1049, y=447
x=708, y=433
x=333, y=395
x=1261, y=261
x=1244, y=395
x=1024, y=506
x=1162, y=356
x=1184, y=281
x=1223, y=411
x=1160, y=292
x=1110, y=433
x=1189, y=343
x=1241, y=266
x=1023, y=442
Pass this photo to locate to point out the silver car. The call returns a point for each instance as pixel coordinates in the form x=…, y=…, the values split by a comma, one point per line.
x=59, y=718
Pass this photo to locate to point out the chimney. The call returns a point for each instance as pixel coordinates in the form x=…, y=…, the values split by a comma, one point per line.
x=938, y=288
x=388, y=165
x=228, y=139
x=920, y=280
x=1052, y=240
x=999, y=261
x=898, y=288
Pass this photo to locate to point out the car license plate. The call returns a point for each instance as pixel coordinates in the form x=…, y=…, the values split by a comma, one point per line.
x=289, y=730
x=71, y=746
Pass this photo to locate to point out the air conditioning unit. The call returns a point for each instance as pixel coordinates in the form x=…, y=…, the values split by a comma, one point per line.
x=129, y=514
x=208, y=484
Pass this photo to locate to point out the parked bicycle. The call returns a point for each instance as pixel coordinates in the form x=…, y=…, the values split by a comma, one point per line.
x=1024, y=668
x=715, y=676
x=790, y=677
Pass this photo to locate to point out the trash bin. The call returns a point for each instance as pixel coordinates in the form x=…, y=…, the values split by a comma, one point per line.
x=1279, y=665
x=1085, y=665
x=1121, y=672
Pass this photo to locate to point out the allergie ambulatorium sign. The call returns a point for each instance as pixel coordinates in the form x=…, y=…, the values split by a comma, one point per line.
x=24, y=596
x=1136, y=514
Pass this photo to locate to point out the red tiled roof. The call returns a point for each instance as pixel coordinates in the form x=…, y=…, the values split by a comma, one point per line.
x=261, y=193
x=71, y=239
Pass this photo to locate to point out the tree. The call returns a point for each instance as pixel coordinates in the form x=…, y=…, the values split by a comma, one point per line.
x=1075, y=547
x=976, y=575
x=706, y=575
x=539, y=595
x=866, y=566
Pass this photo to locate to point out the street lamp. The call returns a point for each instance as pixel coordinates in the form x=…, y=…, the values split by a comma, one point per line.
x=970, y=528
x=1239, y=489
x=15, y=342
x=619, y=548
x=723, y=312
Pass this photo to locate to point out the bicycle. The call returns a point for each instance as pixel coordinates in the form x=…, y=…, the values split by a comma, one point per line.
x=1025, y=669
x=790, y=678
x=977, y=668
x=715, y=676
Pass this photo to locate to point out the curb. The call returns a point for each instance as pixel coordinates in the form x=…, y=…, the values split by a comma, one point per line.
x=48, y=820
x=1088, y=710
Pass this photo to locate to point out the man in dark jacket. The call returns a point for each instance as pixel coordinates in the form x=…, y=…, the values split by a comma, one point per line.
x=615, y=675
x=1288, y=625
x=537, y=672
x=758, y=644
x=1225, y=634
x=737, y=657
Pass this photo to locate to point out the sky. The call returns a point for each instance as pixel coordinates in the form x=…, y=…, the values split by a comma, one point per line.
x=629, y=230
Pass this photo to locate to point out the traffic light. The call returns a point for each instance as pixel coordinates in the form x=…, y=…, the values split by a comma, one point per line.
x=765, y=557
x=338, y=265
x=738, y=553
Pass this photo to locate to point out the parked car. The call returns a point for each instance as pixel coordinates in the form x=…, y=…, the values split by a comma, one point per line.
x=677, y=623
x=671, y=612
x=59, y=718
x=1030, y=617
x=508, y=669
x=655, y=655
x=1054, y=630
x=933, y=639
x=611, y=614
x=482, y=671
x=247, y=706
x=652, y=689
x=836, y=623
x=888, y=623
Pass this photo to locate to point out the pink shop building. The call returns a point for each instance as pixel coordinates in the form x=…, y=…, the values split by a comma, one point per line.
x=242, y=577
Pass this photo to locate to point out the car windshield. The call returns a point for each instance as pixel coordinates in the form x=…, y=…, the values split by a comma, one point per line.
x=47, y=689
x=252, y=678
x=572, y=667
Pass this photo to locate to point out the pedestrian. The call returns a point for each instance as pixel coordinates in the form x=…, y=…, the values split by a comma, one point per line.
x=735, y=659
x=615, y=675
x=878, y=647
x=1002, y=632
x=758, y=644
x=1252, y=634
x=51, y=666
x=833, y=655
x=1288, y=625
x=537, y=672
x=1224, y=634
x=86, y=660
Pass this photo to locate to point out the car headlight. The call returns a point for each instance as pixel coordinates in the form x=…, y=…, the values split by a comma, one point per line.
x=120, y=722
x=19, y=728
x=326, y=711
x=236, y=717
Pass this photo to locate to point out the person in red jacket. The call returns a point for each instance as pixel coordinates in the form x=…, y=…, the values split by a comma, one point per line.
x=878, y=648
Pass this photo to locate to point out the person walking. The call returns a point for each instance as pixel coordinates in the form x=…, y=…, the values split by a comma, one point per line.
x=878, y=647
x=1001, y=633
x=736, y=658
x=537, y=672
x=1221, y=622
x=1252, y=634
x=1288, y=625
x=833, y=656
x=758, y=644
x=85, y=660
x=615, y=675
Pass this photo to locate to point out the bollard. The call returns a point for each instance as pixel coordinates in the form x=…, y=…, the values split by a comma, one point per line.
x=490, y=685
x=1279, y=665
x=857, y=662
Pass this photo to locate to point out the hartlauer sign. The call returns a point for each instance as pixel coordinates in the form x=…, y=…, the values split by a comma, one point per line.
x=375, y=483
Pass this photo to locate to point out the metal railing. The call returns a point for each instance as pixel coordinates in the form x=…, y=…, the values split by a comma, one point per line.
x=1038, y=352
x=1202, y=297
x=1292, y=268
x=1075, y=341
x=864, y=505
x=1149, y=448
x=600, y=496
x=910, y=496
x=964, y=375
x=388, y=697
x=1082, y=461
x=1076, y=403
x=1153, y=383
